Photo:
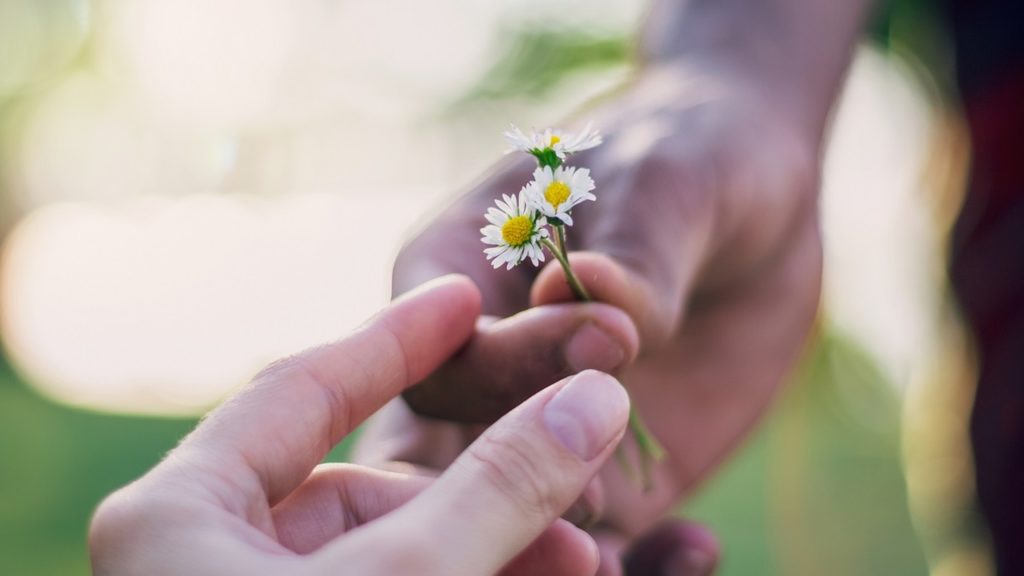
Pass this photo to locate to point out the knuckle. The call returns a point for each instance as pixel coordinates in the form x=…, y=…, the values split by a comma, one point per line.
x=510, y=467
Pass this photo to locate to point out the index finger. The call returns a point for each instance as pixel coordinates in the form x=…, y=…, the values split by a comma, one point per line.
x=270, y=436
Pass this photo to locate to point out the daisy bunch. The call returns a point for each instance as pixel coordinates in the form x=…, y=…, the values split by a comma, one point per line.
x=525, y=225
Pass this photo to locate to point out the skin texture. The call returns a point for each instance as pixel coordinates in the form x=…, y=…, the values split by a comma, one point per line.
x=703, y=251
x=243, y=494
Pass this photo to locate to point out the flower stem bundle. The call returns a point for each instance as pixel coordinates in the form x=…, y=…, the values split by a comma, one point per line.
x=526, y=225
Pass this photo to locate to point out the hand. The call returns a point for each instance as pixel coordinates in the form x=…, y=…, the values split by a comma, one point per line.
x=243, y=493
x=705, y=234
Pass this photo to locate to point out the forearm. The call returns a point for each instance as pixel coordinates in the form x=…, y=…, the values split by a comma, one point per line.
x=800, y=49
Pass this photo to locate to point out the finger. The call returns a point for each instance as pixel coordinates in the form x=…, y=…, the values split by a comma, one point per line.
x=655, y=315
x=521, y=355
x=337, y=498
x=673, y=548
x=562, y=550
x=270, y=436
x=610, y=547
x=608, y=281
x=398, y=441
x=514, y=481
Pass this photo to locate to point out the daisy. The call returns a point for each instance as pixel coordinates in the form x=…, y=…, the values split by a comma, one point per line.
x=528, y=142
x=561, y=142
x=565, y=143
x=514, y=233
x=555, y=192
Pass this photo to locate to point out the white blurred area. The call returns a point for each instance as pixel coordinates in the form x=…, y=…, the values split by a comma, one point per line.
x=226, y=182
x=205, y=186
x=884, y=234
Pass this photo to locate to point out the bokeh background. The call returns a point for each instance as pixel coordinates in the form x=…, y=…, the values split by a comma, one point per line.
x=190, y=189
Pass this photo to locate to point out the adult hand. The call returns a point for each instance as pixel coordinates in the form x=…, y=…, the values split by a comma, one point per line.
x=704, y=240
x=243, y=493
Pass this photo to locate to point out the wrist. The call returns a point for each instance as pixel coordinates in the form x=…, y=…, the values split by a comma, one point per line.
x=795, y=52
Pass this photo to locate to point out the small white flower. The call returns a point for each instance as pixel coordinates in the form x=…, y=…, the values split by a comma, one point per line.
x=573, y=142
x=562, y=142
x=524, y=142
x=514, y=232
x=555, y=192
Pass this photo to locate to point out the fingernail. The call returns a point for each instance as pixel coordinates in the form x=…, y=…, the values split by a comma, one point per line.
x=587, y=413
x=592, y=348
x=689, y=562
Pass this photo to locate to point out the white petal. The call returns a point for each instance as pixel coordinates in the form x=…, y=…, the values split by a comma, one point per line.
x=543, y=176
x=582, y=182
x=584, y=140
x=490, y=234
x=495, y=217
x=518, y=139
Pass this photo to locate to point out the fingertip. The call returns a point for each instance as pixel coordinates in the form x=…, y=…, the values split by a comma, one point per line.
x=585, y=555
x=562, y=549
x=591, y=553
x=456, y=289
x=431, y=322
x=608, y=340
x=588, y=414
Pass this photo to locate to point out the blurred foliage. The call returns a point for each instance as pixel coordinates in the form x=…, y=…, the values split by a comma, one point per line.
x=536, y=61
x=817, y=490
x=56, y=464
x=914, y=30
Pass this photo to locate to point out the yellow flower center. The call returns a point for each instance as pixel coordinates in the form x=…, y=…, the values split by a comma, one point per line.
x=554, y=140
x=517, y=231
x=556, y=193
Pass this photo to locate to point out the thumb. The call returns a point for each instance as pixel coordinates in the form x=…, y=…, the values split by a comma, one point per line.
x=523, y=473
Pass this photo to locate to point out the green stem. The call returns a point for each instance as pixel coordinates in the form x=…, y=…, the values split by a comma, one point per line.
x=574, y=283
x=560, y=236
x=648, y=448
